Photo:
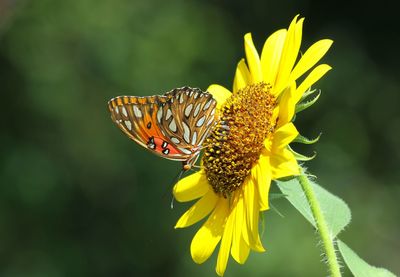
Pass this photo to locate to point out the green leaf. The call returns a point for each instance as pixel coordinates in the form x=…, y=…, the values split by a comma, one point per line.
x=337, y=213
x=358, y=266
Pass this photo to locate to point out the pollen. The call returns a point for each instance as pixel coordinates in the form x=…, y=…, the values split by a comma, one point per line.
x=236, y=142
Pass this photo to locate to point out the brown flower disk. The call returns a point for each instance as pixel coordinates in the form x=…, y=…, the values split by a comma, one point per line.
x=236, y=142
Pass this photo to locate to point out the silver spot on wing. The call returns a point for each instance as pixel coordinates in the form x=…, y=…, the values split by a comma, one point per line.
x=185, y=151
x=208, y=104
x=188, y=110
x=168, y=115
x=137, y=111
x=172, y=126
x=128, y=125
x=196, y=110
x=194, y=138
x=124, y=111
x=175, y=140
x=186, y=132
x=200, y=122
x=210, y=121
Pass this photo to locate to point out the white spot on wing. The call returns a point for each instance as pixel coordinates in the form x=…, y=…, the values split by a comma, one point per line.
x=175, y=140
x=185, y=151
x=116, y=110
x=186, y=132
x=181, y=98
x=212, y=112
x=172, y=125
x=137, y=111
x=210, y=121
x=124, y=111
x=194, y=138
x=200, y=122
x=196, y=110
x=128, y=125
x=207, y=105
x=168, y=115
x=188, y=110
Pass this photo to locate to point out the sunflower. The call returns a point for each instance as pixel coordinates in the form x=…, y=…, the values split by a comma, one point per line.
x=249, y=147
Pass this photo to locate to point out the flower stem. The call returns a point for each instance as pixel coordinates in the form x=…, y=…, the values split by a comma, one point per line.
x=322, y=227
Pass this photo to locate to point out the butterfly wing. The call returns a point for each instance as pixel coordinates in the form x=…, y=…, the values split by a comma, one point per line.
x=187, y=117
x=172, y=125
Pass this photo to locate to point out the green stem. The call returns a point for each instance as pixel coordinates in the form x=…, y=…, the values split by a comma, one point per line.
x=322, y=226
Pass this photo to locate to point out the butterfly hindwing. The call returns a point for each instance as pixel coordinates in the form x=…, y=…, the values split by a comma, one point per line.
x=188, y=117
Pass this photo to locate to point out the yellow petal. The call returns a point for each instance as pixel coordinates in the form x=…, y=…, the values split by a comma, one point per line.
x=284, y=135
x=283, y=164
x=191, y=187
x=314, y=76
x=253, y=59
x=287, y=105
x=225, y=247
x=240, y=250
x=263, y=181
x=271, y=56
x=289, y=54
x=199, y=210
x=220, y=94
x=242, y=76
x=208, y=236
x=311, y=57
x=252, y=211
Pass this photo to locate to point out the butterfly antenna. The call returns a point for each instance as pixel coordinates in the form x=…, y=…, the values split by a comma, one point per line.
x=170, y=187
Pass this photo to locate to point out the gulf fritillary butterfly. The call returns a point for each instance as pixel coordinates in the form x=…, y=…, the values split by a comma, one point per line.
x=173, y=125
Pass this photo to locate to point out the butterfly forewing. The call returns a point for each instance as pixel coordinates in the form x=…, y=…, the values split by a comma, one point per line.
x=172, y=125
x=136, y=117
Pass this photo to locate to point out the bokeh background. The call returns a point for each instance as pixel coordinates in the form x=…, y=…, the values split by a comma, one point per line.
x=78, y=198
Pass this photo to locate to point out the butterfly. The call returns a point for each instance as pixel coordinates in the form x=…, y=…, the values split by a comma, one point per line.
x=173, y=125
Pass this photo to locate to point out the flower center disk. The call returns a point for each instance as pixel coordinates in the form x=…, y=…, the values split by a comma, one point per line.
x=235, y=144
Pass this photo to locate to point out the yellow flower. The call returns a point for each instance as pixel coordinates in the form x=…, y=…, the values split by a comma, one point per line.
x=249, y=146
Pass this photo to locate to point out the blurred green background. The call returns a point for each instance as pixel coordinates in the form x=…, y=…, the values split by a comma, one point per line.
x=78, y=198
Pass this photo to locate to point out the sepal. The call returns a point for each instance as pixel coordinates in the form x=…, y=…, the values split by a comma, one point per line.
x=303, y=140
x=301, y=157
x=301, y=106
x=308, y=93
